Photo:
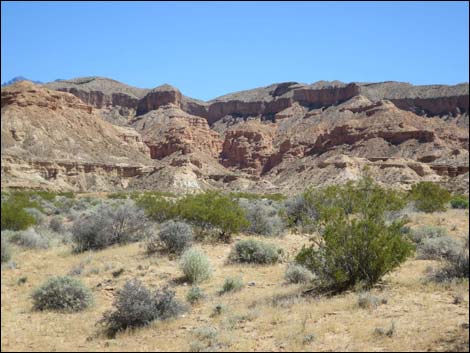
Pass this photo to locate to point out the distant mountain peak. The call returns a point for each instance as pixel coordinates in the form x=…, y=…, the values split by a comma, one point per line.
x=17, y=79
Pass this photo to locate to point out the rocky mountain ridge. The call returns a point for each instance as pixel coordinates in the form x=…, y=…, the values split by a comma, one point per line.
x=282, y=137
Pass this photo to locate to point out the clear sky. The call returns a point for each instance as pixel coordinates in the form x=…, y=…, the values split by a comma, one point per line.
x=207, y=49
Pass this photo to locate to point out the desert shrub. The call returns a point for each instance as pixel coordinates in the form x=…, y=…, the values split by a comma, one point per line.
x=255, y=251
x=195, y=294
x=62, y=294
x=56, y=224
x=118, y=195
x=5, y=250
x=263, y=217
x=296, y=273
x=30, y=238
x=39, y=217
x=232, y=284
x=205, y=339
x=156, y=207
x=177, y=236
x=420, y=234
x=196, y=266
x=13, y=213
x=213, y=210
x=437, y=248
x=456, y=266
x=459, y=201
x=252, y=196
x=357, y=244
x=366, y=300
x=108, y=225
x=429, y=197
x=300, y=210
x=63, y=204
x=137, y=306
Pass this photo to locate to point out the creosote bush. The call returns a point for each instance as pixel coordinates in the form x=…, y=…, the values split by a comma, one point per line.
x=459, y=202
x=176, y=236
x=62, y=294
x=357, y=243
x=108, y=225
x=429, y=197
x=255, y=251
x=13, y=213
x=136, y=306
x=196, y=266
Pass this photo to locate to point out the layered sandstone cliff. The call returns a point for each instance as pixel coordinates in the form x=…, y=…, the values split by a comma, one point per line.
x=282, y=137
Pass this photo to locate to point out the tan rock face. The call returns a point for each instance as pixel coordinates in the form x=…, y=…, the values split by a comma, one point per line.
x=248, y=147
x=169, y=130
x=41, y=127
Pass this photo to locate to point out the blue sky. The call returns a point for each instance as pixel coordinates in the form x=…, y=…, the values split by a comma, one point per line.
x=210, y=49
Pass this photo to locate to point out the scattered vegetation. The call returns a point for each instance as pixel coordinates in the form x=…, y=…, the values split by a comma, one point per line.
x=255, y=251
x=429, y=197
x=196, y=266
x=137, y=306
x=62, y=294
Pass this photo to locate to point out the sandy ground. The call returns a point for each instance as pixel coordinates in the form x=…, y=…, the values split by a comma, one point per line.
x=268, y=316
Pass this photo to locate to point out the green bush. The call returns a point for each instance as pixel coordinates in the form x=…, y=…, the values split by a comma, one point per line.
x=459, y=201
x=136, y=306
x=213, y=210
x=5, y=250
x=156, y=207
x=429, y=197
x=14, y=216
x=255, y=251
x=196, y=266
x=62, y=294
x=357, y=245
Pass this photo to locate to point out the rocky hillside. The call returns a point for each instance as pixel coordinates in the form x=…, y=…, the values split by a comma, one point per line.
x=282, y=137
x=53, y=140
